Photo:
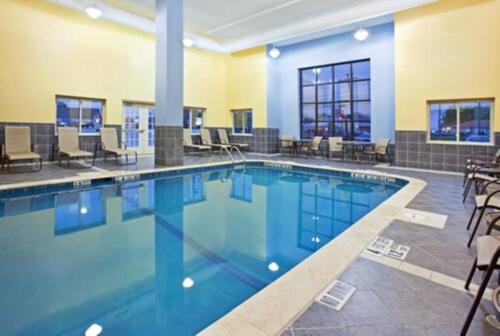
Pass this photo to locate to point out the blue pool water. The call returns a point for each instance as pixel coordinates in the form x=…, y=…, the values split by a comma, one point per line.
x=164, y=255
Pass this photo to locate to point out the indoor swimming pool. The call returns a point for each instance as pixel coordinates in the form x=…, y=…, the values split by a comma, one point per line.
x=169, y=253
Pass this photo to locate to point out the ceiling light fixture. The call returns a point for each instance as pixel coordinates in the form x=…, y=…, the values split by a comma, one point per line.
x=93, y=12
x=361, y=34
x=274, y=52
x=188, y=42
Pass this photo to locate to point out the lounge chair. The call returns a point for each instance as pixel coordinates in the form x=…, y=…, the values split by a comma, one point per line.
x=188, y=143
x=489, y=199
x=487, y=260
x=335, y=146
x=380, y=149
x=224, y=140
x=110, y=145
x=18, y=146
x=206, y=140
x=68, y=146
x=287, y=144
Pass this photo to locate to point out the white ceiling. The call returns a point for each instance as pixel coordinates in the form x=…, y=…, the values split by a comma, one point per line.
x=231, y=25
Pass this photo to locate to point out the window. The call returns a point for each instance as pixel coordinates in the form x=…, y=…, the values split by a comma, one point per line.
x=335, y=101
x=193, y=118
x=151, y=126
x=467, y=121
x=82, y=113
x=242, y=121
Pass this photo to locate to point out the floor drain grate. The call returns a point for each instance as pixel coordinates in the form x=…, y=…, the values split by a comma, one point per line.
x=386, y=247
x=337, y=296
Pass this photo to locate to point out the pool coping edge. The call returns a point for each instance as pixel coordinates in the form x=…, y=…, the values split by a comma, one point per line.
x=272, y=309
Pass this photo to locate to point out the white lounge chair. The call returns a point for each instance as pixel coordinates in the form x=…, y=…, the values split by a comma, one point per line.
x=188, y=142
x=18, y=146
x=224, y=140
x=206, y=140
x=110, y=145
x=69, y=145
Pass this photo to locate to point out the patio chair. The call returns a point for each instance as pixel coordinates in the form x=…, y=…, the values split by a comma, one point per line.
x=381, y=149
x=286, y=144
x=110, y=146
x=490, y=199
x=487, y=261
x=18, y=147
x=473, y=164
x=476, y=178
x=188, y=142
x=206, y=140
x=313, y=148
x=224, y=140
x=68, y=146
x=335, y=147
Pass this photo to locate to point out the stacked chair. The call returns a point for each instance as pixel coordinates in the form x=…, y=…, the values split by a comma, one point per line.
x=487, y=198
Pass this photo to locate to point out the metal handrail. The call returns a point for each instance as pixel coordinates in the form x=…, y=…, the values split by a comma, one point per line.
x=235, y=148
x=228, y=153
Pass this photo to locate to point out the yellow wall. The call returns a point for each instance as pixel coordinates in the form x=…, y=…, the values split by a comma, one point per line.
x=447, y=50
x=205, y=84
x=247, y=83
x=47, y=50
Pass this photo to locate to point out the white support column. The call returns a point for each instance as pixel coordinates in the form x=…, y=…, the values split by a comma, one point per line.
x=169, y=82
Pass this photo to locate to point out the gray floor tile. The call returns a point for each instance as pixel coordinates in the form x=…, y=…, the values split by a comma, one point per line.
x=319, y=316
x=365, y=308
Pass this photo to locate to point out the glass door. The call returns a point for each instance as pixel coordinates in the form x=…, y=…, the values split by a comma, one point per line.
x=139, y=127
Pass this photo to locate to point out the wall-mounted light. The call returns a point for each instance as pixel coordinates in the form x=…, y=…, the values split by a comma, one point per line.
x=93, y=12
x=361, y=34
x=188, y=42
x=274, y=52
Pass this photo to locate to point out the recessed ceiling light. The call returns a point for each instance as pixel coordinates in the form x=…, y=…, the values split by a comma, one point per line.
x=274, y=52
x=93, y=12
x=188, y=42
x=83, y=210
x=361, y=34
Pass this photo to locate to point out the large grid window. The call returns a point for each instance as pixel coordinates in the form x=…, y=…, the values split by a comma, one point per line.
x=193, y=119
x=335, y=101
x=460, y=121
x=82, y=113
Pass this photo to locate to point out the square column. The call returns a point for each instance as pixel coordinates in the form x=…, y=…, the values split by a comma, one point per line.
x=169, y=82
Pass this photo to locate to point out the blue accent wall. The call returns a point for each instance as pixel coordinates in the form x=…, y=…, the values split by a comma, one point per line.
x=283, y=77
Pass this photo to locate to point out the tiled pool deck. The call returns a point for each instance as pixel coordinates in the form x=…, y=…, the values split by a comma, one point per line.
x=421, y=296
